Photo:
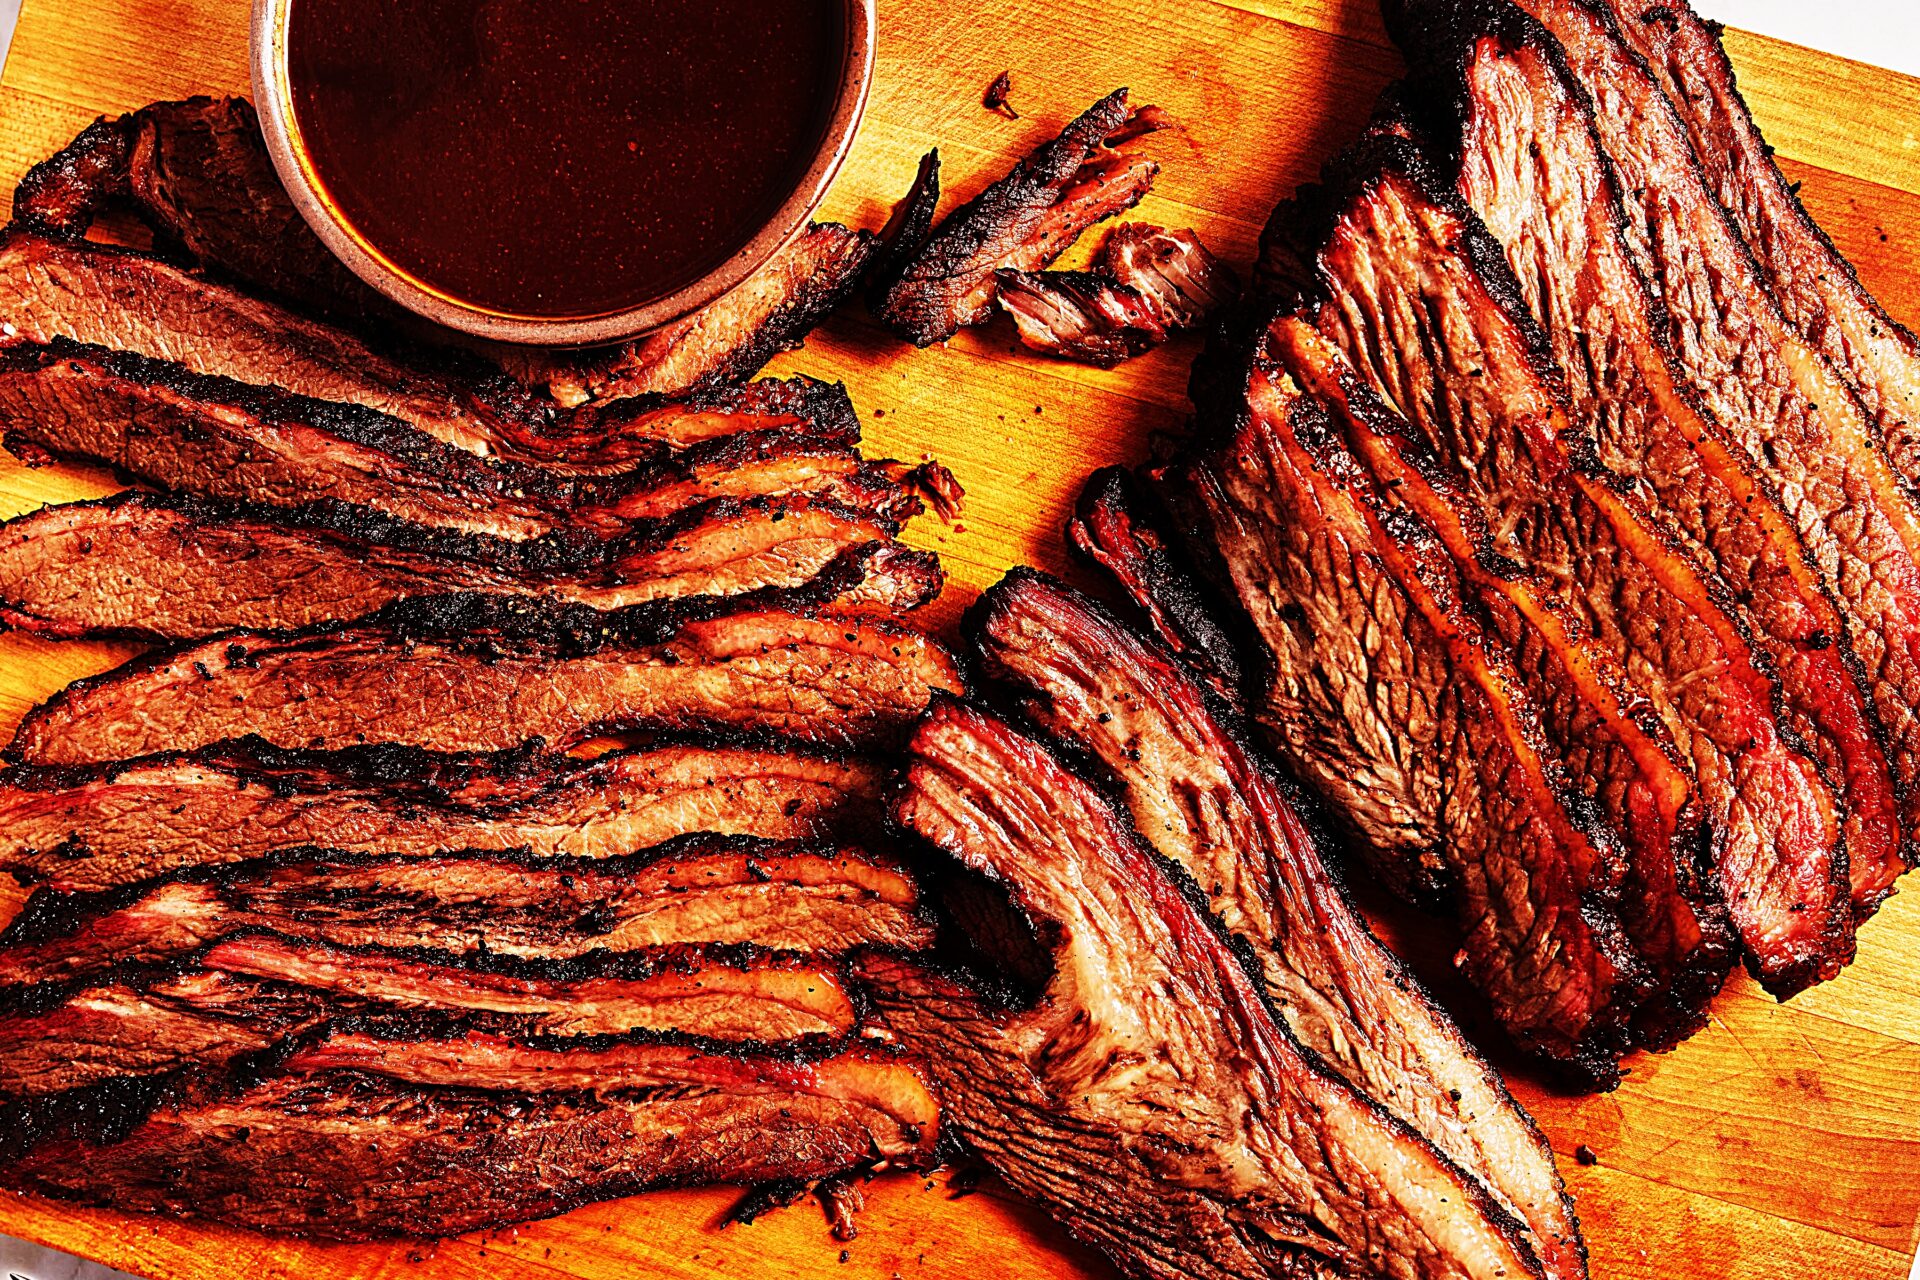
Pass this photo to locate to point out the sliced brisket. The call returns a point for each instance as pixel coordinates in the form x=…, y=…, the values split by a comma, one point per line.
x=166, y=568
x=1182, y=282
x=1202, y=797
x=343, y=1144
x=1414, y=291
x=1148, y=1096
x=1576, y=266
x=484, y=673
x=1079, y=315
x=1614, y=746
x=699, y=890
x=80, y=829
x=1386, y=695
x=1022, y=222
x=254, y=990
x=1815, y=286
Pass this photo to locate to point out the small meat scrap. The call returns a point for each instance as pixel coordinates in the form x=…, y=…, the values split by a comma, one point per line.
x=1150, y=282
x=1080, y=315
x=1180, y=279
x=1024, y=221
x=996, y=97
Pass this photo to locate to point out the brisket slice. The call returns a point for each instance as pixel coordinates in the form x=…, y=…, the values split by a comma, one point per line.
x=81, y=829
x=197, y=171
x=168, y=568
x=252, y=991
x=346, y=1142
x=484, y=673
x=1613, y=744
x=1386, y=695
x=1182, y=282
x=1205, y=800
x=141, y=305
x=1415, y=293
x=1815, y=286
x=1024, y=221
x=728, y=340
x=217, y=438
x=1576, y=268
x=1114, y=528
x=1149, y=1097
x=699, y=890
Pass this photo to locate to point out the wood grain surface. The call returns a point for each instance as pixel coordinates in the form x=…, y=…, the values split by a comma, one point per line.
x=1781, y=1142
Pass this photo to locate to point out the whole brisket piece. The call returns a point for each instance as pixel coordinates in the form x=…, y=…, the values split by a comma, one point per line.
x=1384, y=692
x=85, y=828
x=1615, y=748
x=1576, y=265
x=729, y=339
x=1205, y=800
x=696, y=891
x=216, y=438
x=1414, y=291
x=197, y=171
x=1149, y=1097
x=484, y=673
x=1816, y=287
x=1022, y=222
x=250, y=992
x=375, y=1133
x=167, y=568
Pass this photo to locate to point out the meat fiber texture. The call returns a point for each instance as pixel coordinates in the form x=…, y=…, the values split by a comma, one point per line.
x=1184, y=1133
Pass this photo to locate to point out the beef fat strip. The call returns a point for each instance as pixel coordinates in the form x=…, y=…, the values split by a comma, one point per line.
x=136, y=304
x=1385, y=693
x=166, y=568
x=1206, y=801
x=1414, y=291
x=375, y=1132
x=198, y=172
x=1576, y=252
x=1149, y=1097
x=80, y=829
x=251, y=992
x=485, y=673
x=697, y=891
x=1816, y=287
x=1615, y=748
x=1022, y=222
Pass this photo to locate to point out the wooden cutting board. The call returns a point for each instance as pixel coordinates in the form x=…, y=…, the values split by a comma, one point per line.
x=1781, y=1142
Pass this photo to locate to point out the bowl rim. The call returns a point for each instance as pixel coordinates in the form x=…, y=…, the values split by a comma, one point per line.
x=274, y=106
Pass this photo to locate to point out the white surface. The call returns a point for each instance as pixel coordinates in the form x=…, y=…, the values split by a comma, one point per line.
x=1883, y=32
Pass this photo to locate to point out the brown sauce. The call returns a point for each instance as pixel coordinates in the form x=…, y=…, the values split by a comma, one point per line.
x=561, y=158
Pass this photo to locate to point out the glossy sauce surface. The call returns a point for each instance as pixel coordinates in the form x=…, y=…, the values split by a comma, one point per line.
x=561, y=158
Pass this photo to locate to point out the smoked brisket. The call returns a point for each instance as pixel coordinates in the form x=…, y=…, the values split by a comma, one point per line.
x=82, y=828
x=485, y=673
x=1147, y=1095
x=1090, y=172
x=154, y=567
x=1207, y=801
x=698, y=890
x=1414, y=291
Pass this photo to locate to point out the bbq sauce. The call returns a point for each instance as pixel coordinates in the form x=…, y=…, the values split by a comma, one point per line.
x=561, y=158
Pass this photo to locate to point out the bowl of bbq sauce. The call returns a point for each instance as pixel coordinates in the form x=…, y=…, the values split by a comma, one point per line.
x=561, y=172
